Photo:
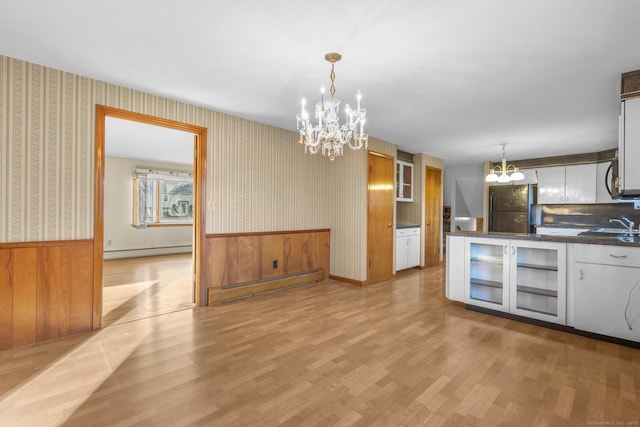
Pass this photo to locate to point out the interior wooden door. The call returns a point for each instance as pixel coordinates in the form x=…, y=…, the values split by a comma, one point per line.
x=380, y=200
x=433, y=216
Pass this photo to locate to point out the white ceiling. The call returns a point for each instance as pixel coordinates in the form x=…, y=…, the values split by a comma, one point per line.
x=453, y=79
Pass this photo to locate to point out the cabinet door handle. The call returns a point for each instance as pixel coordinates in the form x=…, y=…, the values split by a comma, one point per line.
x=513, y=250
x=580, y=274
x=617, y=256
x=506, y=251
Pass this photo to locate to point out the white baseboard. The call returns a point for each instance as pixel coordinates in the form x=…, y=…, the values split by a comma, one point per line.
x=136, y=253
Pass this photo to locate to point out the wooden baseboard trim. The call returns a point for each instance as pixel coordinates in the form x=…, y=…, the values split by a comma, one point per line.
x=219, y=295
x=347, y=280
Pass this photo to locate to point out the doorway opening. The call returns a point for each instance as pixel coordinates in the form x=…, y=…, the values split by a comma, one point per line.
x=148, y=260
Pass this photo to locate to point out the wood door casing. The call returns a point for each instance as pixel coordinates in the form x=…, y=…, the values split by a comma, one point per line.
x=199, y=180
x=433, y=216
x=380, y=201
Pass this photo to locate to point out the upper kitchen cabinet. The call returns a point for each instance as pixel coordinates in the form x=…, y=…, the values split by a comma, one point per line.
x=628, y=182
x=404, y=181
x=572, y=184
x=630, y=84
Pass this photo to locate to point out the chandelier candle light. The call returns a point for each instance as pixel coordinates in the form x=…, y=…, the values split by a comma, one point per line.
x=505, y=173
x=328, y=136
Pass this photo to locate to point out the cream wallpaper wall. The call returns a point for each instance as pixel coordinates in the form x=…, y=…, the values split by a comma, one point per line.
x=258, y=178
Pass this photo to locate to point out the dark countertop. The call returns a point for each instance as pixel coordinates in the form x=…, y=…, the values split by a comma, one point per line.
x=407, y=226
x=586, y=240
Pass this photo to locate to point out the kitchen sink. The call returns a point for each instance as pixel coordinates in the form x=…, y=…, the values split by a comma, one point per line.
x=620, y=234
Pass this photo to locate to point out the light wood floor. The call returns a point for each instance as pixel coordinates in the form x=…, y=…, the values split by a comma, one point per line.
x=394, y=353
x=137, y=288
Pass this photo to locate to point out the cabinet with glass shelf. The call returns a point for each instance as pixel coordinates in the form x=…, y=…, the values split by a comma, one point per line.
x=404, y=181
x=519, y=277
x=538, y=280
x=487, y=275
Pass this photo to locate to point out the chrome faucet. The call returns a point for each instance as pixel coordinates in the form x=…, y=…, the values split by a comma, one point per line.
x=627, y=222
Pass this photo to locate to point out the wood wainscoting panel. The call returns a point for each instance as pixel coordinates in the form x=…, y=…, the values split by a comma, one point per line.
x=24, y=296
x=322, y=251
x=245, y=258
x=46, y=291
x=216, y=263
x=272, y=250
x=6, y=298
x=53, y=293
x=297, y=254
x=80, y=293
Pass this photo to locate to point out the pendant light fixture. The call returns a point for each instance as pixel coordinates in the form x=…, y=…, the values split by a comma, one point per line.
x=503, y=174
x=328, y=136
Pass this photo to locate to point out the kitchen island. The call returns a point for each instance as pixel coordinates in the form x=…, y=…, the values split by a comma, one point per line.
x=588, y=284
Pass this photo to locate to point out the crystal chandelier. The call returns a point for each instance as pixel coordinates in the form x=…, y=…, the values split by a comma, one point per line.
x=328, y=136
x=506, y=173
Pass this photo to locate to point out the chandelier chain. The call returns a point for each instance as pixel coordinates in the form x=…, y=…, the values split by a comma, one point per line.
x=332, y=89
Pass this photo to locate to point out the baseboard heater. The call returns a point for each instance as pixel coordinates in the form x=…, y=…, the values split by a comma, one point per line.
x=248, y=289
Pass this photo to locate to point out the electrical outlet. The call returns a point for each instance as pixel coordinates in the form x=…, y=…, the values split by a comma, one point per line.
x=275, y=263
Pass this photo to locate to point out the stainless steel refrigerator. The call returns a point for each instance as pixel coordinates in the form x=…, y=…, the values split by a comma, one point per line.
x=510, y=208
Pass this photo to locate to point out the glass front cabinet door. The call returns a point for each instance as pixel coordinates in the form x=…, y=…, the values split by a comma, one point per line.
x=487, y=273
x=538, y=280
x=525, y=278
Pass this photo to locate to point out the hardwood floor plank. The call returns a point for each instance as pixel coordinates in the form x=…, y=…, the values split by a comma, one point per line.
x=137, y=288
x=396, y=353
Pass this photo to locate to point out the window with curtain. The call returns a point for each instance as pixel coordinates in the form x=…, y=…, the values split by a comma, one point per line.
x=162, y=198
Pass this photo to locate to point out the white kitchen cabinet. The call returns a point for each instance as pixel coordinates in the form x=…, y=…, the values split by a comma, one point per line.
x=567, y=184
x=455, y=268
x=607, y=290
x=537, y=278
x=487, y=273
x=551, y=183
x=407, y=248
x=404, y=181
x=521, y=277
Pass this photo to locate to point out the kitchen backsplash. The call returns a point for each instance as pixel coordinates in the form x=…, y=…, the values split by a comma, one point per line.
x=583, y=216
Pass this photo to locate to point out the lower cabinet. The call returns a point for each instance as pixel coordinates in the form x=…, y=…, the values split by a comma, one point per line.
x=607, y=291
x=538, y=278
x=487, y=273
x=529, y=278
x=521, y=277
x=407, y=248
